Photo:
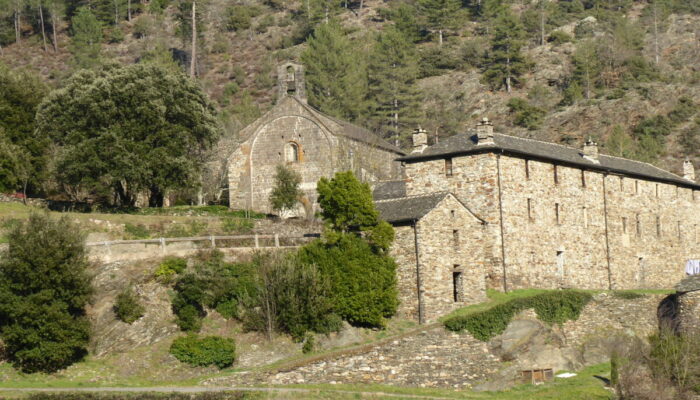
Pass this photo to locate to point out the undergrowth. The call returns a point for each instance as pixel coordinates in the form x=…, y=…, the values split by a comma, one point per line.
x=550, y=307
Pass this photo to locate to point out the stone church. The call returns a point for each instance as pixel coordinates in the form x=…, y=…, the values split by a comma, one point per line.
x=486, y=210
x=304, y=139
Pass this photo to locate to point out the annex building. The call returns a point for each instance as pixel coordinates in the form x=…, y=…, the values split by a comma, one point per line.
x=486, y=210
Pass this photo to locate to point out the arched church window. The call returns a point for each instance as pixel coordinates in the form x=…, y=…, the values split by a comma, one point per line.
x=290, y=73
x=291, y=152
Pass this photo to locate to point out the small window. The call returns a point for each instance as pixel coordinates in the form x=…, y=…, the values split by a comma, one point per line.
x=457, y=285
x=639, y=225
x=455, y=238
x=527, y=169
x=556, y=213
x=529, y=210
x=560, y=263
x=658, y=226
x=583, y=178
x=448, y=167
x=636, y=187
x=624, y=225
x=291, y=152
x=453, y=214
x=556, y=175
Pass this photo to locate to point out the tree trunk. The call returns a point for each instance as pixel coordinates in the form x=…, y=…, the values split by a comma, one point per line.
x=362, y=4
x=53, y=29
x=193, y=61
x=542, y=23
x=18, y=22
x=43, y=30
x=156, y=197
x=656, y=36
x=128, y=10
x=116, y=12
x=508, y=74
x=396, y=122
x=440, y=35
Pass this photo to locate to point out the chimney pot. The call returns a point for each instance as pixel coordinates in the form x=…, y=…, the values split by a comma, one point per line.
x=484, y=132
x=590, y=149
x=420, y=140
x=688, y=170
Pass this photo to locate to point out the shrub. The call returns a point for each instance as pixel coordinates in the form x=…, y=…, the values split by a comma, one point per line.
x=436, y=60
x=552, y=307
x=559, y=37
x=127, y=306
x=526, y=115
x=238, y=18
x=656, y=127
x=44, y=288
x=286, y=193
x=206, y=351
x=237, y=225
x=685, y=109
x=170, y=267
x=136, y=231
x=309, y=344
x=231, y=89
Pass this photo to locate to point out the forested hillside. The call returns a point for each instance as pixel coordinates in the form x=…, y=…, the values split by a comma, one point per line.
x=622, y=72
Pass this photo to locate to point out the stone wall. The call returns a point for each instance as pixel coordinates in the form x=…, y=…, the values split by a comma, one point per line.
x=689, y=312
x=435, y=357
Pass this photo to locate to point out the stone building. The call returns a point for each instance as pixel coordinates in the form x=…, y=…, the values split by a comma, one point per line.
x=550, y=216
x=302, y=138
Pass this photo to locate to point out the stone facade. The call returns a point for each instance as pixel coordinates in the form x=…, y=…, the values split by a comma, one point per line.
x=689, y=312
x=302, y=138
x=561, y=226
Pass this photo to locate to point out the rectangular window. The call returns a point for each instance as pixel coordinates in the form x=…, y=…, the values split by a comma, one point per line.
x=453, y=215
x=583, y=178
x=448, y=167
x=556, y=174
x=529, y=210
x=457, y=285
x=556, y=213
x=527, y=169
x=636, y=187
x=624, y=225
x=658, y=226
x=639, y=225
x=560, y=263
x=455, y=238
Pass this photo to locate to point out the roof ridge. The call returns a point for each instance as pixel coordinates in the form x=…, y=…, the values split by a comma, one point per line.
x=415, y=196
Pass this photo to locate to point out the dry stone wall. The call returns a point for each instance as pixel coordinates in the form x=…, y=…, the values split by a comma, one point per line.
x=689, y=312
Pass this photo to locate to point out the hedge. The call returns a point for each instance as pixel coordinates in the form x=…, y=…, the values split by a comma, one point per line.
x=202, y=352
x=552, y=307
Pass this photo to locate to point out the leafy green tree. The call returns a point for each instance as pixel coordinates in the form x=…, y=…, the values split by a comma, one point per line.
x=44, y=288
x=286, y=193
x=393, y=70
x=20, y=94
x=124, y=130
x=346, y=203
x=440, y=15
x=335, y=73
x=86, y=40
x=506, y=64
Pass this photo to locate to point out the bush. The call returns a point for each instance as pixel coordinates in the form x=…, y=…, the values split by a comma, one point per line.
x=170, y=267
x=656, y=127
x=127, y=306
x=559, y=37
x=44, y=288
x=309, y=344
x=239, y=17
x=552, y=307
x=237, y=225
x=136, y=231
x=210, y=350
x=436, y=61
x=363, y=282
x=682, y=112
x=526, y=115
x=286, y=193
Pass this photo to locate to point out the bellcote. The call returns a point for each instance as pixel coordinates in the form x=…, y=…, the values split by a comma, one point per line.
x=290, y=81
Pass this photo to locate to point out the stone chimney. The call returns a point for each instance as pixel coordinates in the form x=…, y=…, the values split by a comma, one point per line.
x=420, y=140
x=688, y=170
x=484, y=132
x=590, y=149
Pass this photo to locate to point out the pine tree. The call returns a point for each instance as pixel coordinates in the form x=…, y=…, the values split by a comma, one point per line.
x=393, y=70
x=335, y=73
x=586, y=67
x=506, y=64
x=86, y=43
x=440, y=15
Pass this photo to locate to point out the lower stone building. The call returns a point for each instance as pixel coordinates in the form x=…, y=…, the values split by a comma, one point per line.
x=688, y=291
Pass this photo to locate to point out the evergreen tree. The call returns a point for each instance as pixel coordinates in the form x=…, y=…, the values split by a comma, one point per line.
x=620, y=143
x=392, y=71
x=440, y=15
x=587, y=67
x=44, y=288
x=335, y=73
x=319, y=11
x=286, y=193
x=506, y=64
x=86, y=43
x=126, y=130
x=405, y=19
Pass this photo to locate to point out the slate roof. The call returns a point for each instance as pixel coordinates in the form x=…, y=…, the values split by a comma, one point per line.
x=411, y=208
x=353, y=132
x=389, y=190
x=466, y=143
x=689, y=284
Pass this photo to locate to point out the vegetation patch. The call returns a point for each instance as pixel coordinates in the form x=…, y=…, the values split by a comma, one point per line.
x=206, y=351
x=551, y=307
x=127, y=306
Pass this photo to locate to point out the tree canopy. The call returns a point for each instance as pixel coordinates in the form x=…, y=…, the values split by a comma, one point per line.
x=122, y=131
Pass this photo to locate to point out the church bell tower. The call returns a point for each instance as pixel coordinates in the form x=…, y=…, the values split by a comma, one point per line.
x=290, y=81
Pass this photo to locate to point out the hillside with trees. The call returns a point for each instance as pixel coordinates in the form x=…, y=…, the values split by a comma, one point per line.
x=621, y=72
